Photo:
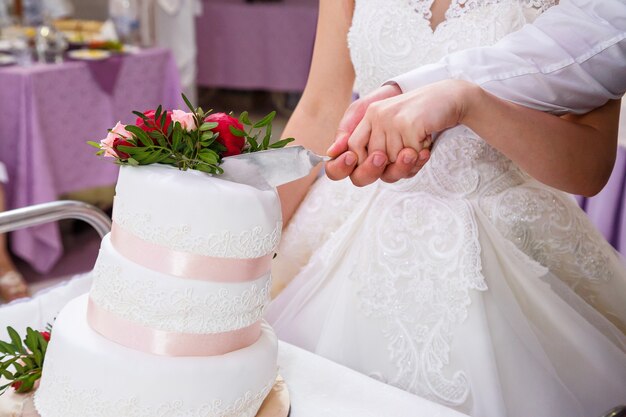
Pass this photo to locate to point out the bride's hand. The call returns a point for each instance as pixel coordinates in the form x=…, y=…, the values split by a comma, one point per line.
x=392, y=127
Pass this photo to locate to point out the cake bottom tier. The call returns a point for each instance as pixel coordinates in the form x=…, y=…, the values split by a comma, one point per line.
x=86, y=375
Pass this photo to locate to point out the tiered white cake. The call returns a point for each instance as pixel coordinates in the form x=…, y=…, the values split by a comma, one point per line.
x=173, y=323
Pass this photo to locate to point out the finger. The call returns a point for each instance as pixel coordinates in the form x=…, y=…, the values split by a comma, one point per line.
x=423, y=158
x=402, y=168
x=377, y=141
x=341, y=167
x=394, y=145
x=371, y=170
x=350, y=120
x=360, y=139
x=355, y=113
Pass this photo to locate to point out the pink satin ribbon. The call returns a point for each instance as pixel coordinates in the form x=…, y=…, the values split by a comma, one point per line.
x=159, y=342
x=187, y=265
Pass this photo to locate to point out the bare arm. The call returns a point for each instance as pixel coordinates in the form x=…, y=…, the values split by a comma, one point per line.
x=327, y=94
x=574, y=153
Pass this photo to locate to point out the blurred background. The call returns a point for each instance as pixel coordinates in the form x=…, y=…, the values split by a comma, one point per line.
x=70, y=69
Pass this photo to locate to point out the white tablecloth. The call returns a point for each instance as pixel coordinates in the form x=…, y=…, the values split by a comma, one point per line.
x=317, y=386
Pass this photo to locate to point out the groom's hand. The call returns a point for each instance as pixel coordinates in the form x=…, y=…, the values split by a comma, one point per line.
x=376, y=165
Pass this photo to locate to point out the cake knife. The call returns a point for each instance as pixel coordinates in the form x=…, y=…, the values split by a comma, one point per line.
x=277, y=166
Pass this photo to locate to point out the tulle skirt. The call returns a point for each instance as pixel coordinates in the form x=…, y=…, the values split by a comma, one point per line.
x=435, y=295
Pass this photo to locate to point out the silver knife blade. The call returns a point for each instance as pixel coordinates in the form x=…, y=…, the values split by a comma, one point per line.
x=275, y=166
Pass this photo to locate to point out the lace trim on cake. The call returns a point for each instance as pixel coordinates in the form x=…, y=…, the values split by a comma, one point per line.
x=57, y=397
x=184, y=310
x=252, y=243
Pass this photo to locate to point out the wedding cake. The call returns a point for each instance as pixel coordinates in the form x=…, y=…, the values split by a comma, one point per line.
x=173, y=323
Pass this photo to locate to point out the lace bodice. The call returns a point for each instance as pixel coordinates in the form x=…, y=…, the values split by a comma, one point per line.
x=390, y=37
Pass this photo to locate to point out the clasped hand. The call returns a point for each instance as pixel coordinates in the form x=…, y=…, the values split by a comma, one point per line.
x=387, y=134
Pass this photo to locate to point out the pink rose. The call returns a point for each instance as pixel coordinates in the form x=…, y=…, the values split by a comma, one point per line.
x=186, y=120
x=116, y=134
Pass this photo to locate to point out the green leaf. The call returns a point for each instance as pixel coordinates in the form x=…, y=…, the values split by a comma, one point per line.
x=94, y=144
x=161, y=140
x=218, y=147
x=157, y=113
x=141, y=115
x=268, y=136
x=281, y=143
x=6, y=374
x=28, y=382
x=163, y=119
x=176, y=135
x=253, y=144
x=140, y=134
x=133, y=162
x=205, y=168
x=31, y=340
x=188, y=103
x=7, y=348
x=236, y=132
x=19, y=368
x=245, y=119
x=209, y=156
x=43, y=343
x=208, y=126
x=16, y=340
x=28, y=362
x=38, y=358
x=265, y=121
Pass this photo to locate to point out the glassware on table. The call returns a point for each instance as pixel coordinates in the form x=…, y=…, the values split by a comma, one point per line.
x=125, y=17
x=50, y=44
x=16, y=42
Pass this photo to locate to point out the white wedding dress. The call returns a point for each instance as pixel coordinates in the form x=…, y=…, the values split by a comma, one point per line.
x=470, y=284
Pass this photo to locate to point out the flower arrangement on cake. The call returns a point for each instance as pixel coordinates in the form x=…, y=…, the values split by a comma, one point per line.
x=187, y=140
x=21, y=360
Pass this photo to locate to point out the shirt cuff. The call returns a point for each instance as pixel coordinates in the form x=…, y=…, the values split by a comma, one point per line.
x=420, y=77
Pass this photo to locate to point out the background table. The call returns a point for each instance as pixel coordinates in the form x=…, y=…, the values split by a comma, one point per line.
x=48, y=112
x=317, y=386
x=265, y=46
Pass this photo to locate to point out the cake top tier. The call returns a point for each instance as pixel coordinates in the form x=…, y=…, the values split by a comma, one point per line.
x=190, y=211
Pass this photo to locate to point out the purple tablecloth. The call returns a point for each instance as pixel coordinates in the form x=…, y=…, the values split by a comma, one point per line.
x=48, y=112
x=606, y=210
x=264, y=46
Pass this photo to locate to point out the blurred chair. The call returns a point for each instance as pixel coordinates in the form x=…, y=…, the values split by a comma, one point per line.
x=12, y=284
x=617, y=412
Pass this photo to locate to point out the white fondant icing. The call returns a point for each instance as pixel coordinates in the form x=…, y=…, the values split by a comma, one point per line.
x=169, y=303
x=194, y=212
x=86, y=375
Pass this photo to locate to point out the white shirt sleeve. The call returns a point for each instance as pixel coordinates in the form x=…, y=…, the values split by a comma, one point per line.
x=571, y=59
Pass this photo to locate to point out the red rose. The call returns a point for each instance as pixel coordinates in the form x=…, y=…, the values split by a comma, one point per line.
x=46, y=336
x=16, y=385
x=149, y=125
x=234, y=144
x=121, y=142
